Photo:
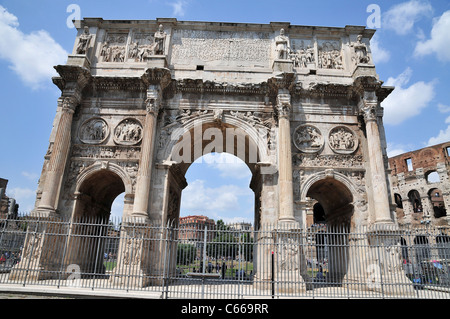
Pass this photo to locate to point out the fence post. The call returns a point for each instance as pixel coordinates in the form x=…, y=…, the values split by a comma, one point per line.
x=272, y=277
x=64, y=252
x=165, y=280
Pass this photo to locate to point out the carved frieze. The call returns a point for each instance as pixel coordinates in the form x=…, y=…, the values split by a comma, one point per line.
x=93, y=131
x=302, y=53
x=112, y=152
x=114, y=48
x=314, y=160
x=342, y=140
x=308, y=139
x=330, y=56
x=128, y=132
x=142, y=45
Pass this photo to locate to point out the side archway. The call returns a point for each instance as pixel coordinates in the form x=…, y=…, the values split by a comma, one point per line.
x=333, y=193
x=96, y=189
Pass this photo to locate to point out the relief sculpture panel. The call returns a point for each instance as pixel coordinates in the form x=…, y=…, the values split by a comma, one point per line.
x=93, y=131
x=128, y=132
x=114, y=48
x=342, y=140
x=308, y=139
x=330, y=56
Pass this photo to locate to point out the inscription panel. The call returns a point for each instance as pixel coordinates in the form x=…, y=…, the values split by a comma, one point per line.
x=221, y=47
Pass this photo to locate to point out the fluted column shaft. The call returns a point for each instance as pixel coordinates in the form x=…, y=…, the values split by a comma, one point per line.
x=377, y=169
x=143, y=178
x=286, y=195
x=58, y=158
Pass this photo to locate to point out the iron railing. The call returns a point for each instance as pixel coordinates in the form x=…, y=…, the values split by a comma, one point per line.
x=192, y=261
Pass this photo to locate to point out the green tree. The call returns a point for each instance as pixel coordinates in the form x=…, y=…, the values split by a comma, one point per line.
x=186, y=254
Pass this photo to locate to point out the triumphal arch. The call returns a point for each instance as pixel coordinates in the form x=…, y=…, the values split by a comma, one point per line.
x=141, y=100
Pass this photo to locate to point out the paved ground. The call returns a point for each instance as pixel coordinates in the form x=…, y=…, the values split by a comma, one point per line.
x=28, y=296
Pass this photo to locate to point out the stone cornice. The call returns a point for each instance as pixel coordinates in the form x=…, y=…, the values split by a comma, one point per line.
x=332, y=90
x=71, y=76
x=104, y=83
x=158, y=76
x=200, y=86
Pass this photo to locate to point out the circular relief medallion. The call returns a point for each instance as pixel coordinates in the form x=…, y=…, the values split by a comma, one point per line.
x=93, y=131
x=308, y=139
x=342, y=140
x=128, y=132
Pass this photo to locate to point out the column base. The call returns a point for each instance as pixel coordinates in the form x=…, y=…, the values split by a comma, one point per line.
x=387, y=274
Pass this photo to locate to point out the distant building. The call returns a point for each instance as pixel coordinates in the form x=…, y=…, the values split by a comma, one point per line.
x=192, y=228
x=421, y=185
x=8, y=205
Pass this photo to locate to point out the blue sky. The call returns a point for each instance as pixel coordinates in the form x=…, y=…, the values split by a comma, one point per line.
x=411, y=49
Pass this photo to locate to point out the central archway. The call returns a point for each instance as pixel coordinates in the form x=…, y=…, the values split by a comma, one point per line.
x=220, y=133
x=215, y=133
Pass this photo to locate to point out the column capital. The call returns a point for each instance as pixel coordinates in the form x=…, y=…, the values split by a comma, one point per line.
x=153, y=106
x=69, y=103
x=368, y=109
x=283, y=103
x=153, y=101
x=369, y=105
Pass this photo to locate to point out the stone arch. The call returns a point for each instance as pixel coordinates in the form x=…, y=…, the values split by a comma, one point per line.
x=398, y=200
x=104, y=165
x=334, y=194
x=227, y=121
x=96, y=188
x=415, y=200
x=254, y=153
x=437, y=202
x=352, y=191
x=336, y=198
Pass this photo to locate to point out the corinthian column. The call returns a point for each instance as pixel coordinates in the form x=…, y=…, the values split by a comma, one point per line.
x=380, y=198
x=286, y=196
x=58, y=159
x=143, y=178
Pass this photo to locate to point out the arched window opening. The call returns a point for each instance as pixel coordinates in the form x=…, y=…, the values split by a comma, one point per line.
x=433, y=177
x=414, y=198
x=422, y=248
x=398, y=200
x=443, y=246
x=437, y=201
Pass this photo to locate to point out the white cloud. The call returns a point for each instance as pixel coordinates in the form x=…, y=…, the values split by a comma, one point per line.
x=32, y=56
x=227, y=164
x=25, y=197
x=179, y=7
x=443, y=108
x=442, y=137
x=379, y=54
x=394, y=149
x=224, y=200
x=406, y=102
x=439, y=43
x=402, y=17
x=30, y=176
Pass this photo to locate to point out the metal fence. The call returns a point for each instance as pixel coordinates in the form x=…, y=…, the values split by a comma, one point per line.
x=230, y=261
